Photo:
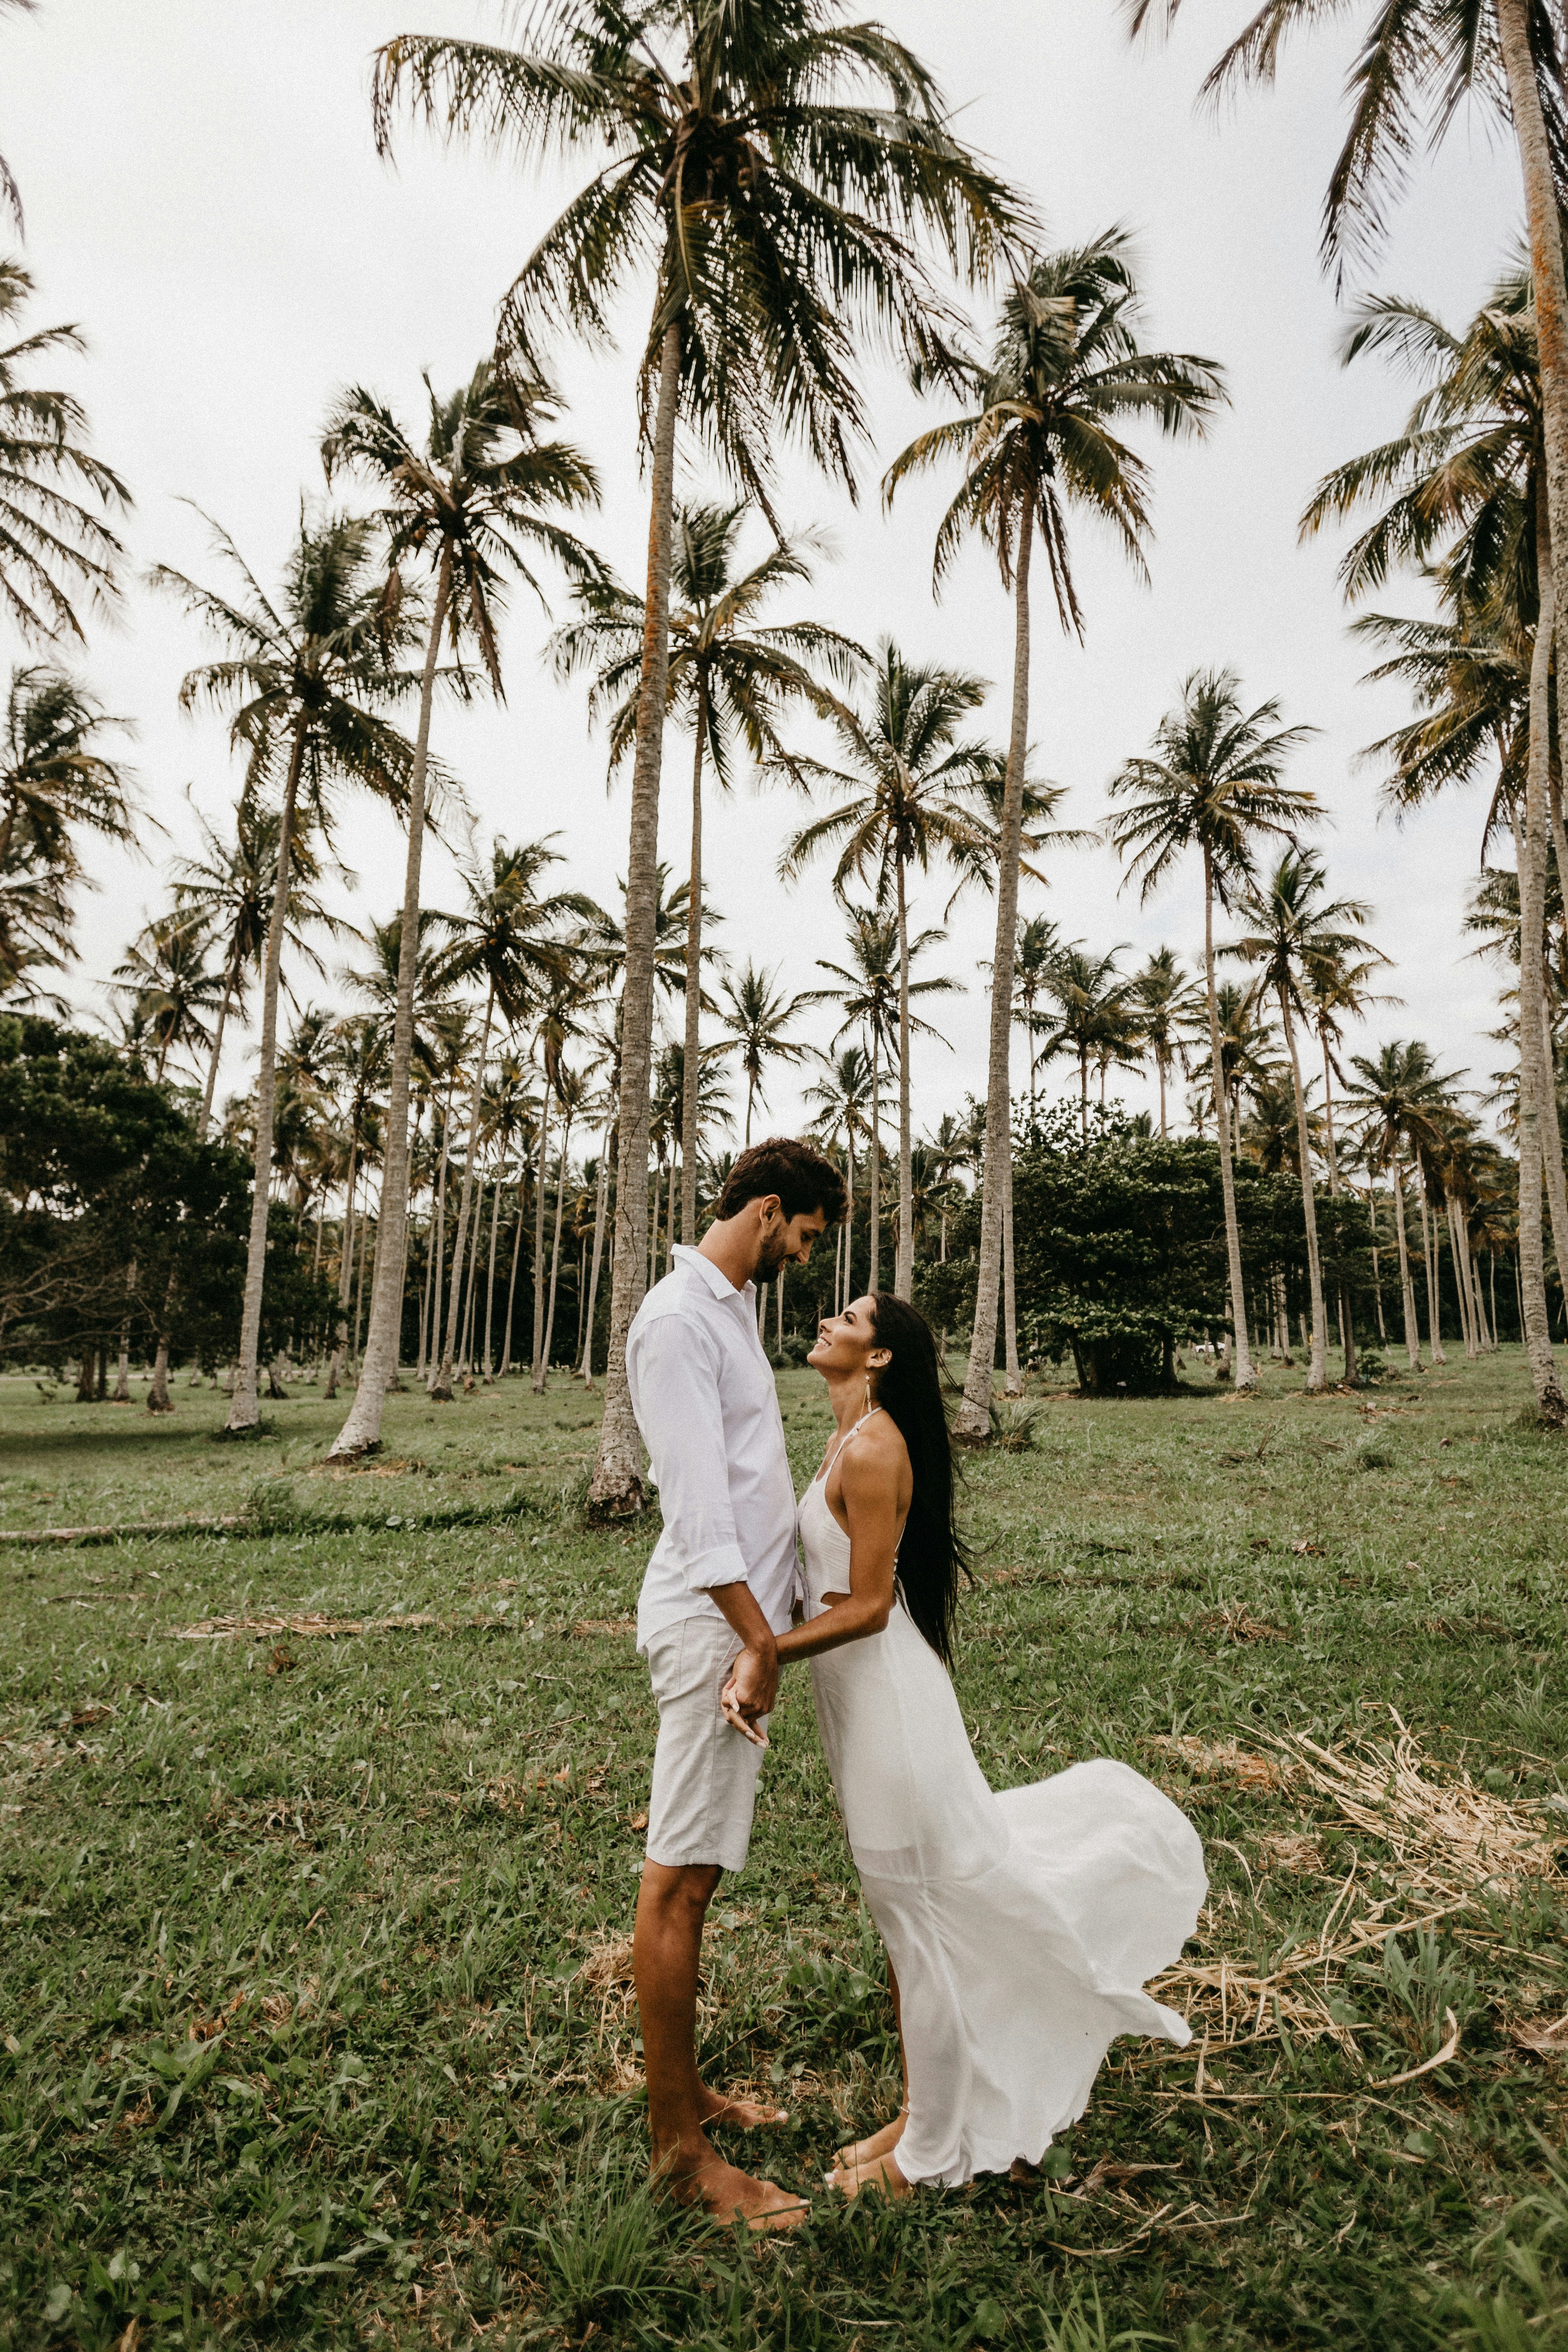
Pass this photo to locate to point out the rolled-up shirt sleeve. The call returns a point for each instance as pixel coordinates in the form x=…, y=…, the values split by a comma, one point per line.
x=674, y=1380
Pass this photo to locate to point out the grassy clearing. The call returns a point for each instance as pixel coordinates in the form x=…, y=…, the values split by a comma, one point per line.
x=316, y=2026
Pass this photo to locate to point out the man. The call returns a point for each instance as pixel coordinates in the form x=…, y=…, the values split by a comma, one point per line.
x=719, y=1586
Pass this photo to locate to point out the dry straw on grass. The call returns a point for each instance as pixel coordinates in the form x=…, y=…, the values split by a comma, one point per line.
x=1450, y=1845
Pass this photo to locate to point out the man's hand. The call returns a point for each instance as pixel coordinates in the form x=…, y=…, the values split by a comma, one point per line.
x=755, y=1679
x=730, y=1708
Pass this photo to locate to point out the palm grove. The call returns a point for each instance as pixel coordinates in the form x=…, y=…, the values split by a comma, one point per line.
x=476, y=1151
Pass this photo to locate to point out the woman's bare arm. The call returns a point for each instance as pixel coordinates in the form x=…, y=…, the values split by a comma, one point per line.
x=874, y=1483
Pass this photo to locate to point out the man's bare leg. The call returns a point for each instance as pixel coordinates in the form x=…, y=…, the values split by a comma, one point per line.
x=882, y=2143
x=665, y=1948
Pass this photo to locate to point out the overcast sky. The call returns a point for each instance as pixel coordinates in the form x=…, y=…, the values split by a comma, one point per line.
x=204, y=196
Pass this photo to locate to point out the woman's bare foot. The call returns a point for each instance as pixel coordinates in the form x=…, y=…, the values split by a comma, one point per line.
x=880, y=2143
x=730, y=2194
x=745, y=2115
x=881, y=2172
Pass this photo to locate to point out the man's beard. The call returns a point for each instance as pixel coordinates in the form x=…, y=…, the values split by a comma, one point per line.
x=775, y=1253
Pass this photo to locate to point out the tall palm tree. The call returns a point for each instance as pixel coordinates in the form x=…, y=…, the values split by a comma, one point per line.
x=472, y=504
x=512, y=941
x=730, y=678
x=1035, y=953
x=753, y=1015
x=1428, y=55
x=841, y=1098
x=1163, y=995
x=1291, y=928
x=1067, y=373
x=914, y=794
x=1399, y=1096
x=873, y=991
x=227, y=890
x=177, y=991
x=361, y=1064
x=1090, y=997
x=305, y=678
x=1213, y=783
x=780, y=205
x=53, y=548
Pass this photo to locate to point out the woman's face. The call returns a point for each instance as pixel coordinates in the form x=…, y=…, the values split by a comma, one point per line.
x=847, y=1343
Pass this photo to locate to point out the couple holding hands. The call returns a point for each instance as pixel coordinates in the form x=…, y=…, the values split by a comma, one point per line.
x=1020, y=1927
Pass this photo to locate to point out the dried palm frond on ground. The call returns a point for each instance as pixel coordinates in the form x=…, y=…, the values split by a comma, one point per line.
x=1446, y=1835
x=309, y=1623
x=1238, y=1625
x=1222, y=1761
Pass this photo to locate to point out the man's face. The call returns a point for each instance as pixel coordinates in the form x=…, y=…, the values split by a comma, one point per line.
x=786, y=1241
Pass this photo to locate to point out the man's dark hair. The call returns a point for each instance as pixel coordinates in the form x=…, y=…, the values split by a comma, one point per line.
x=796, y=1172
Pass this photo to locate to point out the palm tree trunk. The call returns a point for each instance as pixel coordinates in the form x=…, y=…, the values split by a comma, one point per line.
x=904, y=1258
x=600, y=1205
x=691, y=1066
x=874, y=1181
x=1429, y=1253
x=555, y=1251
x=511, y=1285
x=1318, y=1363
x=1376, y=1267
x=750, y=1098
x=345, y=1265
x=1160, y=1066
x=1014, y=1382
x=1459, y=1252
x=361, y=1432
x=1529, y=857
x=490, y=1280
x=231, y=978
x=1407, y=1286
x=438, y=1227
x=1246, y=1379
x=441, y=1380
x=616, y=1487
x=245, y=1409
x=541, y=1187
x=973, y=1422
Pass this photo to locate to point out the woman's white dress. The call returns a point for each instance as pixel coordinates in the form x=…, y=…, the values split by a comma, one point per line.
x=1021, y=1925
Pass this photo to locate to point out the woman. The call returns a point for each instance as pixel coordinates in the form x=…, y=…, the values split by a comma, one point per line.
x=1020, y=1927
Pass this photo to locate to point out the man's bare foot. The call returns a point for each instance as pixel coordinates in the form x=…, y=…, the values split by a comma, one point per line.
x=883, y=2173
x=730, y=2194
x=745, y=2115
x=880, y=2143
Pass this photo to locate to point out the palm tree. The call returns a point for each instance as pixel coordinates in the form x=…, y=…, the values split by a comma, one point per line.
x=1426, y=53
x=1398, y=1097
x=842, y=1099
x=753, y=1017
x=473, y=503
x=1473, y=463
x=1163, y=996
x=1035, y=953
x=558, y=1019
x=513, y=941
x=915, y=794
x=177, y=991
x=228, y=891
x=1067, y=371
x=360, y=1064
x=52, y=775
x=1213, y=783
x=35, y=928
x=873, y=991
x=1291, y=929
x=1089, y=995
x=52, y=548
x=303, y=678
x=780, y=207
x=730, y=677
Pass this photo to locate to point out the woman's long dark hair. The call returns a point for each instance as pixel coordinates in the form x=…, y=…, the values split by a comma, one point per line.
x=932, y=1555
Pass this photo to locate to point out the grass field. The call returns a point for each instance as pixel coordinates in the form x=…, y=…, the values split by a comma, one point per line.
x=312, y=1987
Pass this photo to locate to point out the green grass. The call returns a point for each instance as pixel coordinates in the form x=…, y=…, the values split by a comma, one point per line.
x=314, y=2031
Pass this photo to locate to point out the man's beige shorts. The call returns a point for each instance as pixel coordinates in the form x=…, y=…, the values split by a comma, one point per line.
x=704, y=1771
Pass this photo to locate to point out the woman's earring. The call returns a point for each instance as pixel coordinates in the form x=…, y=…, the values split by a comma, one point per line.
x=868, y=1406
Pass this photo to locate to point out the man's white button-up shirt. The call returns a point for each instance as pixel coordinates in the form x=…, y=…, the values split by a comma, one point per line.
x=702, y=1390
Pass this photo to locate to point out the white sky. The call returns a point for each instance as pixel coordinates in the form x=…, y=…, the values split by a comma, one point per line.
x=203, y=195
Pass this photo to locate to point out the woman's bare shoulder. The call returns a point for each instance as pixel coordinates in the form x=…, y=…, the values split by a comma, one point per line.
x=877, y=1452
